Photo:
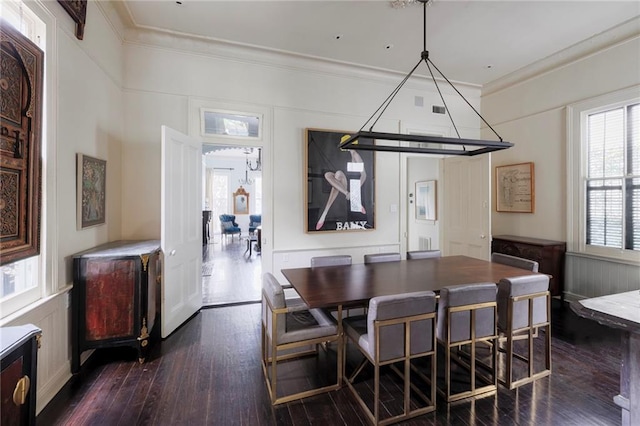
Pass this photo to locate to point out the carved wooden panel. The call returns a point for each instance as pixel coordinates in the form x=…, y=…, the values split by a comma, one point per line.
x=21, y=70
x=77, y=9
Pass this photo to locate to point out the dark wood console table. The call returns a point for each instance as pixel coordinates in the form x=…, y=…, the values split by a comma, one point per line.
x=548, y=253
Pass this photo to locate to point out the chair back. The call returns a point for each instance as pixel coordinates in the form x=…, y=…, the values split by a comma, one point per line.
x=514, y=261
x=273, y=293
x=509, y=288
x=392, y=337
x=423, y=254
x=382, y=257
x=337, y=260
x=255, y=220
x=466, y=295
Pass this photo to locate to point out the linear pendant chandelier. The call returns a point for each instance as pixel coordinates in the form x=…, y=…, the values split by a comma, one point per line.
x=423, y=144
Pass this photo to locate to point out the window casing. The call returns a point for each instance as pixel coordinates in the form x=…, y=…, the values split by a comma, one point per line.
x=22, y=282
x=604, y=176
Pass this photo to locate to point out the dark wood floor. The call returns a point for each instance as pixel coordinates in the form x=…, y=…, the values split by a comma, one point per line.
x=229, y=274
x=208, y=373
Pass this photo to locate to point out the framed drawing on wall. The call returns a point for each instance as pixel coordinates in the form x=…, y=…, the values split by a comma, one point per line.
x=241, y=201
x=515, y=188
x=340, y=194
x=426, y=200
x=91, y=192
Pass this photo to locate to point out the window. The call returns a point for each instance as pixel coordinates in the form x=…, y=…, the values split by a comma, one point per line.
x=230, y=124
x=257, y=199
x=21, y=282
x=604, y=171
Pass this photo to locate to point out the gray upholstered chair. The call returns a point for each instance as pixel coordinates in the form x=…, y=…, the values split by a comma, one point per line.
x=423, y=254
x=524, y=306
x=382, y=257
x=337, y=260
x=398, y=328
x=514, y=261
x=466, y=317
x=287, y=329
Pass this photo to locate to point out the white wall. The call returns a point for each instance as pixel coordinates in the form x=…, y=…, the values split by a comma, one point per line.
x=84, y=115
x=166, y=76
x=531, y=114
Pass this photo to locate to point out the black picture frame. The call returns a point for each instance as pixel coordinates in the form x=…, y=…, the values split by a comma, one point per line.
x=331, y=174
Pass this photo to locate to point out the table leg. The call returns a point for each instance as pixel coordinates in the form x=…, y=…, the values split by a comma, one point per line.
x=629, y=398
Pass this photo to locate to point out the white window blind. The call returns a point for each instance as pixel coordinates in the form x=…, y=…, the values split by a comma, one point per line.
x=613, y=178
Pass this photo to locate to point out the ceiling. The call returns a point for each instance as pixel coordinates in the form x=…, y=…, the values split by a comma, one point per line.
x=476, y=42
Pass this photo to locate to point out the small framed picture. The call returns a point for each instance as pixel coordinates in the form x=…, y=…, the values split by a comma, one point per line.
x=515, y=190
x=91, y=192
x=426, y=200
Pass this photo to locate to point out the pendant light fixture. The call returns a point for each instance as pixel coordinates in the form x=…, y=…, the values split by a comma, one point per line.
x=422, y=144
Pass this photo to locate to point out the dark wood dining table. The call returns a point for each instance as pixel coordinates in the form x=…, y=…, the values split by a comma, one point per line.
x=354, y=285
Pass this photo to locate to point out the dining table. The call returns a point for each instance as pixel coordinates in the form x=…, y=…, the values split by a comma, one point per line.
x=356, y=284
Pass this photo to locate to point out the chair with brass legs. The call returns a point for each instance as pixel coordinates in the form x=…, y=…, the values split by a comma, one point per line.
x=336, y=260
x=397, y=329
x=382, y=257
x=291, y=332
x=467, y=317
x=517, y=262
x=524, y=306
x=423, y=254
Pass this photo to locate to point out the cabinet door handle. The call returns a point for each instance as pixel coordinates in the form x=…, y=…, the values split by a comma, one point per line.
x=21, y=391
x=172, y=253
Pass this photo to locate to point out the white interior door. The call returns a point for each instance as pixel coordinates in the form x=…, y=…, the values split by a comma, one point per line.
x=181, y=234
x=466, y=215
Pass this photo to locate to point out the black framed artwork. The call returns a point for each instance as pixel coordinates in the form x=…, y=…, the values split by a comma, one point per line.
x=340, y=190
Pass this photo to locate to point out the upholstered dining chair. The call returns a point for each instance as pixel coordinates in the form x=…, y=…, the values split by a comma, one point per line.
x=397, y=328
x=423, y=254
x=466, y=317
x=382, y=257
x=517, y=262
x=524, y=306
x=336, y=260
x=287, y=331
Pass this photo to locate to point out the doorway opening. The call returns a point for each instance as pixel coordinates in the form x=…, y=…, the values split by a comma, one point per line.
x=231, y=260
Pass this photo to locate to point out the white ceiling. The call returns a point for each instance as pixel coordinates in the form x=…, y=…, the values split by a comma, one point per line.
x=469, y=41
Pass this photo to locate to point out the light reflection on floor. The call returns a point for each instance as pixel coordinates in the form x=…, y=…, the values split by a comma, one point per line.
x=230, y=275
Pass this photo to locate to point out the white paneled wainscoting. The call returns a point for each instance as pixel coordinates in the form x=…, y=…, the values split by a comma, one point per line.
x=51, y=315
x=588, y=276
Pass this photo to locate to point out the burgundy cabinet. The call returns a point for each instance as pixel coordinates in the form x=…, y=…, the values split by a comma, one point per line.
x=19, y=353
x=115, y=297
x=548, y=253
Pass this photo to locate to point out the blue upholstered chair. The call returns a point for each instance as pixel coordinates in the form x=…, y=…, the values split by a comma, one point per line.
x=255, y=220
x=228, y=225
